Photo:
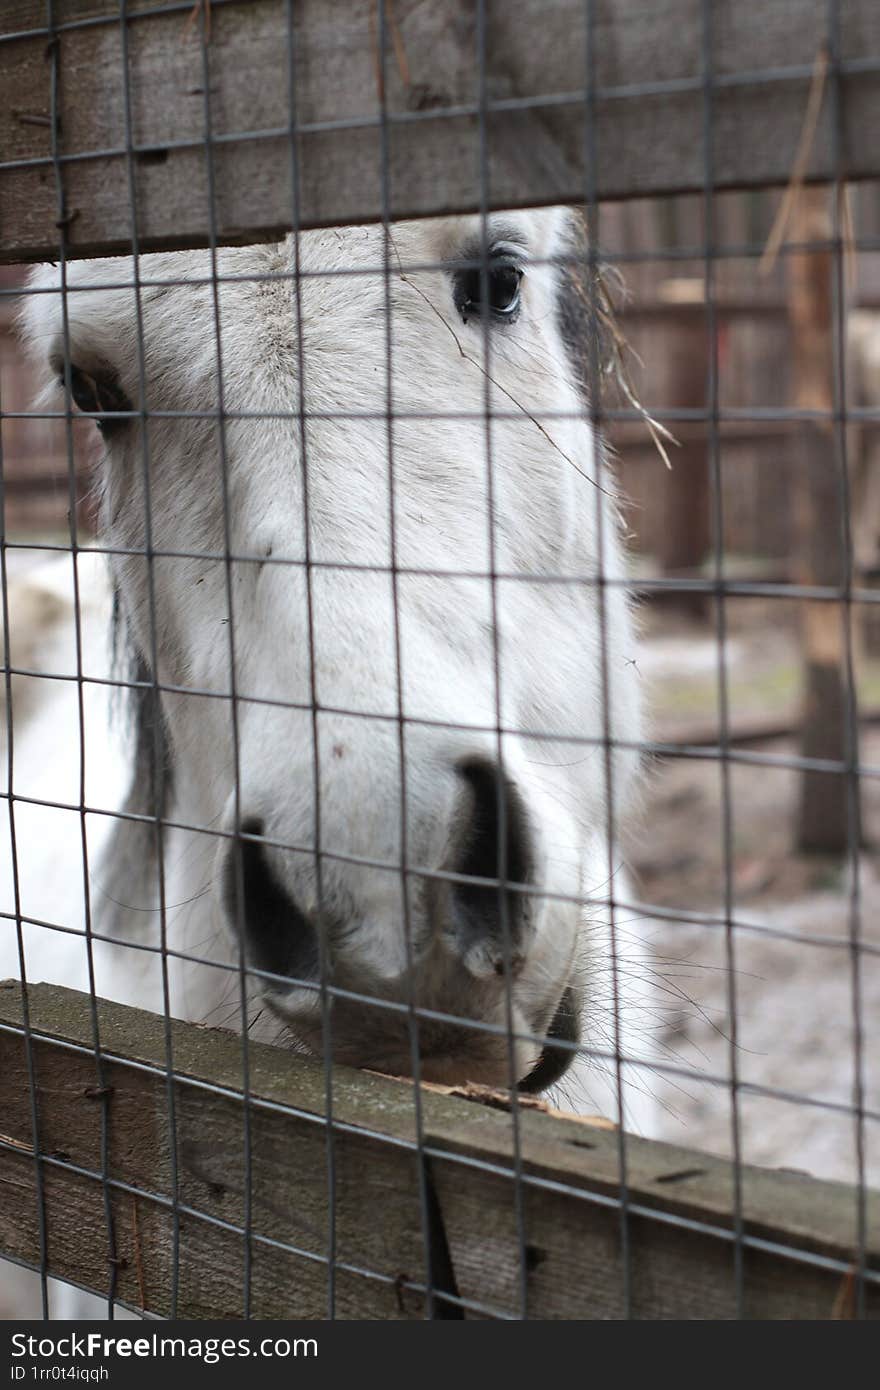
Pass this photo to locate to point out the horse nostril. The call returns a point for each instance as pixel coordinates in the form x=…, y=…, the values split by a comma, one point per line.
x=278, y=936
x=495, y=846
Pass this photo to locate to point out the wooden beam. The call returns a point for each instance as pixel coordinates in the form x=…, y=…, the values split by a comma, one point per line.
x=829, y=812
x=647, y=132
x=801, y=1233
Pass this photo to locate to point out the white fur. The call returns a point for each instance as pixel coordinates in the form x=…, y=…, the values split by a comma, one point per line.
x=548, y=507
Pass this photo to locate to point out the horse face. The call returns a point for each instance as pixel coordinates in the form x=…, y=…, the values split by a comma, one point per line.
x=358, y=521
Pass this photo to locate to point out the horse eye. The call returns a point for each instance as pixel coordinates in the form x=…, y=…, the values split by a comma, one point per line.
x=98, y=394
x=500, y=284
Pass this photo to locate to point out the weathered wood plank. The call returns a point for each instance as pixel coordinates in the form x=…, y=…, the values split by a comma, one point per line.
x=648, y=113
x=571, y=1221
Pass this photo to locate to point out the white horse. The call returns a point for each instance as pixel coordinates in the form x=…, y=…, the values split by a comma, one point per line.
x=357, y=517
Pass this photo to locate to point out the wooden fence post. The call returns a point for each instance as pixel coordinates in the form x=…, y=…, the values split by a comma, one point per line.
x=824, y=811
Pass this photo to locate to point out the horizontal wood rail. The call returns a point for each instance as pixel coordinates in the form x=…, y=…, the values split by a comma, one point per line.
x=217, y=133
x=800, y=1234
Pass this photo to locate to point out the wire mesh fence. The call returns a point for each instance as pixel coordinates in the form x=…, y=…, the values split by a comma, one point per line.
x=375, y=765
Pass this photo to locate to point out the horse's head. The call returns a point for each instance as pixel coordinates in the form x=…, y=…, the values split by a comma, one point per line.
x=352, y=484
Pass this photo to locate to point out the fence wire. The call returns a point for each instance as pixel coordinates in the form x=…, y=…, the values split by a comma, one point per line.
x=518, y=895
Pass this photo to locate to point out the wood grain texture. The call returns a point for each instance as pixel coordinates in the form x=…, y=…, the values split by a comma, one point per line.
x=645, y=126
x=570, y=1194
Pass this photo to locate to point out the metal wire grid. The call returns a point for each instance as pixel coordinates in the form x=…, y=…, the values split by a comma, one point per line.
x=441, y=1302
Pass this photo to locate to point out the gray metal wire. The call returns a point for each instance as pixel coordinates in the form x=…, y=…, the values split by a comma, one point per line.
x=441, y=1301
x=102, y=1090
x=851, y=773
x=159, y=769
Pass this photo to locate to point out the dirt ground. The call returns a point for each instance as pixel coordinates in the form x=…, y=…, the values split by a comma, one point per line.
x=805, y=947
